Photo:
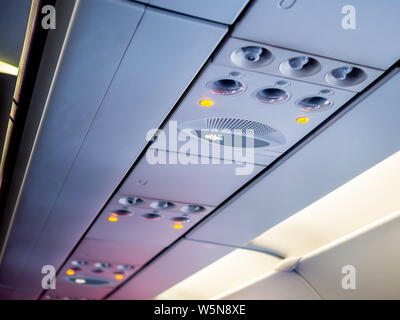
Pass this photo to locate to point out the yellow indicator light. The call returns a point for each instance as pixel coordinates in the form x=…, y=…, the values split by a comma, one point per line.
x=70, y=272
x=302, y=120
x=119, y=276
x=178, y=226
x=206, y=103
x=8, y=68
x=113, y=219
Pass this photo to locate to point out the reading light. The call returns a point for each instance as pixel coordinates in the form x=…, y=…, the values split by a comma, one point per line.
x=121, y=212
x=225, y=86
x=8, y=68
x=314, y=103
x=206, y=103
x=70, y=272
x=80, y=281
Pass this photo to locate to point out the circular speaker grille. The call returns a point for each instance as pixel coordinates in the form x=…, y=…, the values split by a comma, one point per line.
x=346, y=76
x=251, y=57
x=225, y=86
x=302, y=66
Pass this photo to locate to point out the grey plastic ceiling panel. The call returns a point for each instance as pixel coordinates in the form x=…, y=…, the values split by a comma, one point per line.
x=78, y=81
x=276, y=286
x=338, y=154
x=104, y=158
x=13, y=20
x=369, y=255
x=205, y=184
x=214, y=10
x=315, y=27
x=176, y=264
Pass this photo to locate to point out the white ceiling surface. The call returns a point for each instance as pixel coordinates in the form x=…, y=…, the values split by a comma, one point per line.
x=372, y=251
x=115, y=86
x=276, y=286
x=337, y=155
x=361, y=201
x=314, y=26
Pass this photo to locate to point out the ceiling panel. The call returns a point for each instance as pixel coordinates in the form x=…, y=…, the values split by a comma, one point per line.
x=13, y=20
x=276, y=286
x=97, y=160
x=373, y=256
x=214, y=10
x=334, y=157
x=206, y=184
x=316, y=27
x=211, y=272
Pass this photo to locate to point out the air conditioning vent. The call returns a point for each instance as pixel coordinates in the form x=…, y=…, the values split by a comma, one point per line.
x=232, y=132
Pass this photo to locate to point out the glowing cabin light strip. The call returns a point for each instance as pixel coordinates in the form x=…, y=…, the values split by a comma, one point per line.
x=8, y=68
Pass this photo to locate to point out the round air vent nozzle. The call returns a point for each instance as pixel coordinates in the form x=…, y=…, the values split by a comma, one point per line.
x=346, y=76
x=302, y=66
x=128, y=201
x=314, y=103
x=272, y=95
x=225, y=86
x=251, y=57
x=192, y=208
x=162, y=205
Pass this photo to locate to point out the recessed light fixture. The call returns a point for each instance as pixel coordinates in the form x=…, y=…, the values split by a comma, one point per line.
x=164, y=205
x=272, y=95
x=346, y=76
x=251, y=57
x=225, y=86
x=301, y=66
x=314, y=103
